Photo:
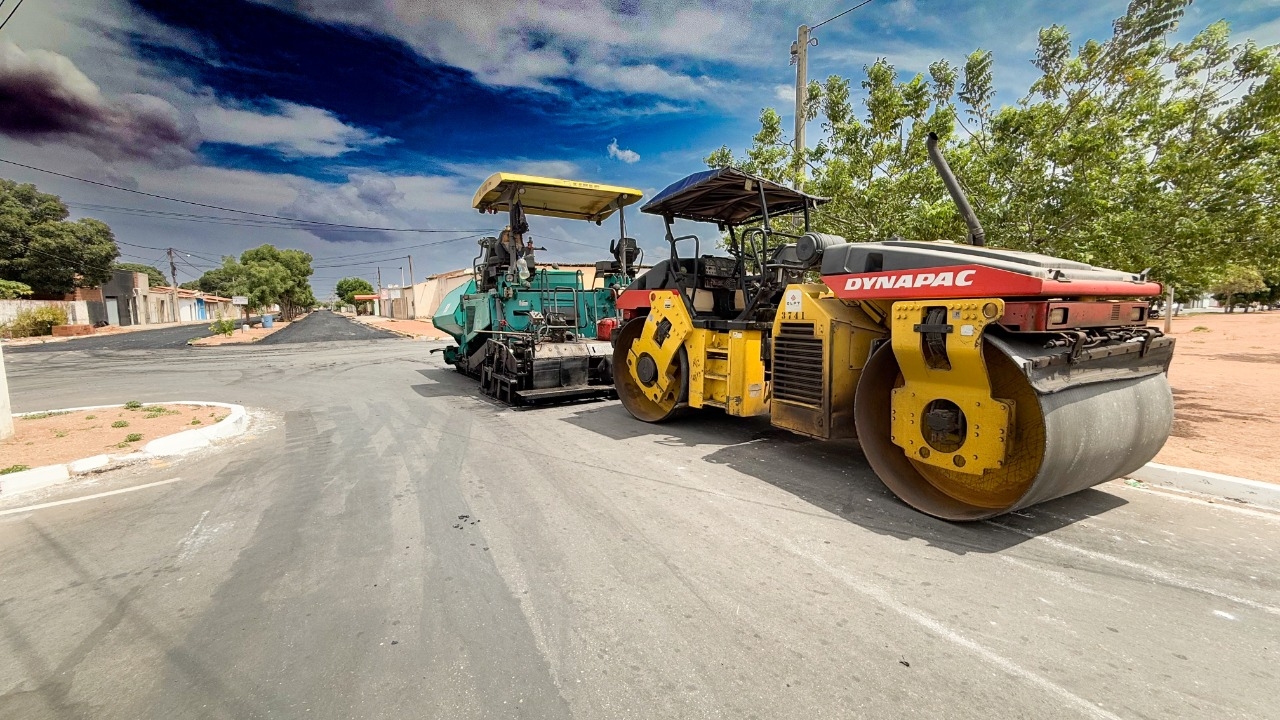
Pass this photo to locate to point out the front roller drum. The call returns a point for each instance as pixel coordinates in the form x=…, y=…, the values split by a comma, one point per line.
x=632, y=374
x=1062, y=442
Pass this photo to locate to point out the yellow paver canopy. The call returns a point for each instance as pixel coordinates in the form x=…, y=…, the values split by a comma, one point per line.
x=552, y=197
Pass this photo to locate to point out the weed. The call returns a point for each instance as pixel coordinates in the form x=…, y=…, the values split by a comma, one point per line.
x=124, y=444
x=37, y=322
x=120, y=424
x=1200, y=328
x=223, y=326
x=195, y=421
x=43, y=415
x=90, y=417
x=133, y=437
x=13, y=469
x=59, y=433
x=132, y=405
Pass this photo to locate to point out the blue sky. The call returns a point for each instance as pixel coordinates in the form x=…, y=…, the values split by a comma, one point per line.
x=389, y=113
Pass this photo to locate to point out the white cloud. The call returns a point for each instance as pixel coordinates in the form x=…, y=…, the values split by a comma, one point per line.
x=626, y=156
x=45, y=98
x=654, y=47
x=784, y=93
x=293, y=130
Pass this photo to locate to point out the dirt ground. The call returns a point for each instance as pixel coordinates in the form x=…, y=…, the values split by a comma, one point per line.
x=1226, y=388
x=254, y=334
x=63, y=437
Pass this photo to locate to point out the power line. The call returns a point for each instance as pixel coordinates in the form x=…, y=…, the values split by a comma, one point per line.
x=234, y=222
x=846, y=12
x=11, y=12
x=316, y=223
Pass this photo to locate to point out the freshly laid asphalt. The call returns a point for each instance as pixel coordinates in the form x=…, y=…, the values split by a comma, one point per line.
x=384, y=543
x=322, y=326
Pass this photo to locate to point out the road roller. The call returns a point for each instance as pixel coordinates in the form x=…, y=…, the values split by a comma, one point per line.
x=977, y=380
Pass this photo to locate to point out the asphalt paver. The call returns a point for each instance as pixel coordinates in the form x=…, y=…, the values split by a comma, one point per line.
x=387, y=543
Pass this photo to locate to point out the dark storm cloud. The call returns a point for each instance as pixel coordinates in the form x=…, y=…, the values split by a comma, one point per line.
x=45, y=98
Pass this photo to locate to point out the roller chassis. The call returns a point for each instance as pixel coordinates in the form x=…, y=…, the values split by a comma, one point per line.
x=977, y=380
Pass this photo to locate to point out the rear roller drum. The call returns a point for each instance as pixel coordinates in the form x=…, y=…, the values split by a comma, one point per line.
x=1062, y=442
x=631, y=377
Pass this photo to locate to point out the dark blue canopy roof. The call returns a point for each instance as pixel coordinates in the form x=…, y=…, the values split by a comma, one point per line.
x=726, y=196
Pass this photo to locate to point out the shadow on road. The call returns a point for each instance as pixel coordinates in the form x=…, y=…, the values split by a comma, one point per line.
x=835, y=477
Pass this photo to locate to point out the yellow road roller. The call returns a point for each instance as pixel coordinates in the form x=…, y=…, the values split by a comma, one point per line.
x=977, y=380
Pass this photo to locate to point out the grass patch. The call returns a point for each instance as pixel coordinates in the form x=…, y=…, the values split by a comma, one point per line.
x=155, y=411
x=120, y=424
x=133, y=437
x=59, y=433
x=43, y=415
x=196, y=421
x=1200, y=328
x=132, y=405
x=13, y=469
x=90, y=417
x=123, y=444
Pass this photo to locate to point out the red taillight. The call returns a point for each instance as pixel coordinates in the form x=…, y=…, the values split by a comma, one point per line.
x=605, y=328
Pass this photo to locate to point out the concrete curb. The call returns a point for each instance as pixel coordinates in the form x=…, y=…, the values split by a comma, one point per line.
x=1209, y=483
x=235, y=423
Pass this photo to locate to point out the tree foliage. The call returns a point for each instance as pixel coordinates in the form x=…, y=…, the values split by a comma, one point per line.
x=1130, y=152
x=154, y=276
x=267, y=276
x=1238, y=283
x=348, y=287
x=11, y=290
x=41, y=248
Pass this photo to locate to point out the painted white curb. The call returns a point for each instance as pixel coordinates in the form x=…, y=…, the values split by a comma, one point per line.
x=33, y=479
x=235, y=423
x=1210, y=483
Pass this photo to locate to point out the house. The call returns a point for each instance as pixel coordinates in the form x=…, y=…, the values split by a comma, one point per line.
x=127, y=297
x=194, y=305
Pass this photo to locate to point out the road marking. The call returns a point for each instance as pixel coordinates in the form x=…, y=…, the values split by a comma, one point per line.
x=41, y=506
x=1156, y=573
x=929, y=623
x=188, y=546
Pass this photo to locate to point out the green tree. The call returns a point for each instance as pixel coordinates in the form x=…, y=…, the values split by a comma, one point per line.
x=348, y=287
x=274, y=276
x=1130, y=152
x=1236, y=284
x=41, y=248
x=220, y=281
x=154, y=276
x=10, y=290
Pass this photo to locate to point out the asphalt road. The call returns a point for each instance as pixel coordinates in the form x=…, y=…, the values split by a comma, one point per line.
x=320, y=326
x=159, y=339
x=324, y=326
x=386, y=544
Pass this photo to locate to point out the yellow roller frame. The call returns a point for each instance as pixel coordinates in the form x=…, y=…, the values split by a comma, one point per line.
x=667, y=306
x=988, y=420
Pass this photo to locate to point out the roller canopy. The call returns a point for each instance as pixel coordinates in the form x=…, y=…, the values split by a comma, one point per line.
x=552, y=197
x=728, y=197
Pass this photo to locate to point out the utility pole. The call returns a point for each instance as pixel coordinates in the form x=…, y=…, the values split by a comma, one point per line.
x=800, y=56
x=413, y=296
x=1168, y=312
x=378, y=302
x=173, y=276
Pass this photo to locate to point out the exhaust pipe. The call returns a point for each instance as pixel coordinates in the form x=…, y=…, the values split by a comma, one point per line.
x=977, y=236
